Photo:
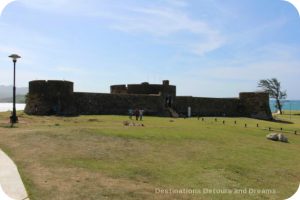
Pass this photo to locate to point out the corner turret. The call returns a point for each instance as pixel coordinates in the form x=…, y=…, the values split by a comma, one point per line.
x=50, y=97
x=256, y=105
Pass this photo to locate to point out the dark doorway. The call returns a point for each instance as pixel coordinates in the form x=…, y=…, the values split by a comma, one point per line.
x=169, y=101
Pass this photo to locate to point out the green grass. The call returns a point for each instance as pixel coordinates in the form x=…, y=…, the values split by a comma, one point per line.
x=97, y=157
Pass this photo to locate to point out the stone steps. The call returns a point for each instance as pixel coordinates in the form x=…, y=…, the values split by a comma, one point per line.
x=173, y=113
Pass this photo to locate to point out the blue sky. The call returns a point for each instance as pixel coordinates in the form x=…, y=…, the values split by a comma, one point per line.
x=214, y=48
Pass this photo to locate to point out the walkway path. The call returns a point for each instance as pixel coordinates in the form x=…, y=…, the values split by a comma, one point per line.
x=11, y=185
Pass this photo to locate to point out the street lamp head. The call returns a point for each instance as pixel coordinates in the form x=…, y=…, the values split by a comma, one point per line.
x=14, y=57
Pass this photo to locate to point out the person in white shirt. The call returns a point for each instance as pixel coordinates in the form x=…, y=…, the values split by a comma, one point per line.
x=141, y=114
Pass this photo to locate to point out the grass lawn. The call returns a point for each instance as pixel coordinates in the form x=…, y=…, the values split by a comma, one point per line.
x=97, y=157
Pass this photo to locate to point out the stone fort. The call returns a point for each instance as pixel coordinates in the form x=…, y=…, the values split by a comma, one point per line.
x=58, y=98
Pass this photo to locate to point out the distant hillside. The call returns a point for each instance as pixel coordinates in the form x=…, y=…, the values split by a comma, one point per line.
x=7, y=96
x=19, y=99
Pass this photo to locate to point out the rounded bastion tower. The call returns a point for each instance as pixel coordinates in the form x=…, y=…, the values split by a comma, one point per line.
x=50, y=98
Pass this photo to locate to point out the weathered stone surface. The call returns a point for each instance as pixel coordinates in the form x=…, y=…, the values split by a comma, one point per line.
x=117, y=104
x=277, y=137
x=256, y=105
x=58, y=98
x=282, y=138
x=273, y=136
x=208, y=106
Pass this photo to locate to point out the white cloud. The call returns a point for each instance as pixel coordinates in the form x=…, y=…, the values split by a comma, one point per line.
x=228, y=81
x=254, y=71
x=213, y=41
x=244, y=71
x=50, y=5
x=158, y=19
x=163, y=22
x=274, y=60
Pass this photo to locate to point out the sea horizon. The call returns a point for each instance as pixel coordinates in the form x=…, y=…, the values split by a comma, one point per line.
x=287, y=105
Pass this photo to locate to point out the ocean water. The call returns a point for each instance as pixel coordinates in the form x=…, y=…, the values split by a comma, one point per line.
x=287, y=105
x=4, y=107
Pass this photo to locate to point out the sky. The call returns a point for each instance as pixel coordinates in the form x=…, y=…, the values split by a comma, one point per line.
x=207, y=48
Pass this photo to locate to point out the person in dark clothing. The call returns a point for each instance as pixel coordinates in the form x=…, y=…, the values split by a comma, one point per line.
x=137, y=114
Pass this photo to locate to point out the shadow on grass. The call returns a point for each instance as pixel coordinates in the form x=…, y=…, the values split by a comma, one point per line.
x=282, y=121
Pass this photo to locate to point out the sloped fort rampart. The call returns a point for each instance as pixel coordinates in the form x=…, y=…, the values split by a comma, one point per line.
x=59, y=98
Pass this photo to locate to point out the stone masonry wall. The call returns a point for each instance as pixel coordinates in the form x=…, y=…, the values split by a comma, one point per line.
x=118, y=89
x=50, y=97
x=256, y=105
x=117, y=104
x=208, y=106
x=57, y=97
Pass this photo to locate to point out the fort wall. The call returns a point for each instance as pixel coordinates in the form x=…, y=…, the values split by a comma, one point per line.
x=208, y=106
x=118, y=89
x=145, y=88
x=256, y=105
x=117, y=104
x=58, y=97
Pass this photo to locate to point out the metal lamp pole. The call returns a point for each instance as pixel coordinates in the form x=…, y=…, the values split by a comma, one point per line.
x=14, y=118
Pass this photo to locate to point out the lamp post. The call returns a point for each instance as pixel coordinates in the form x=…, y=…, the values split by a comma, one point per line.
x=14, y=118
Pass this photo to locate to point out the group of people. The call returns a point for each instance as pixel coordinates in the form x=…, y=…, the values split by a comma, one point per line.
x=138, y=113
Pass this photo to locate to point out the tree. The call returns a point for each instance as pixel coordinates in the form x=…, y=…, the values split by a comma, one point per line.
x=273, y=87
